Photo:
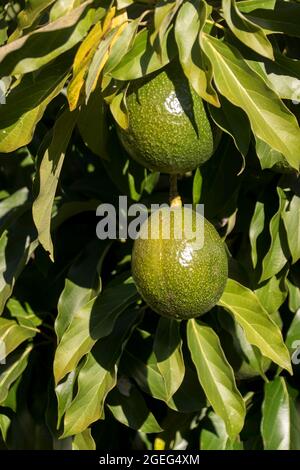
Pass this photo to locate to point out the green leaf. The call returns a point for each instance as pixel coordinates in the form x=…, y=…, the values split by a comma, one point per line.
x=197, y=186
x=26, y=104
x=249, y=5
x=5, y=422
x=64, y=393
x=270, y=120
x=291, y=220
x=12, y=335
x=32, y=51
x=31, y=12
x=275, y=259
x=98, y=376
x=268, y=157
x=234, y=121
x=121, y=46
x=280, y=426
x=247, y=32
x=192, y=16
x=284, y=18
x=213, y=435
x=168, y=351
x=84, y=441
x=91, y=322
x=62, y=8
x=216, y=376
x=163, y=15
x=82, y=284
x=14, y=367
x=92, y=125
x=293, y=338
x=142, y=59
x=259, y=328
x=25, y=316
x=294, y=296
x=47, y=177
x=272, y=293
x=118, y=109
x=17, y=244
x=12, y=206
x=256, y=228
x=129, y=408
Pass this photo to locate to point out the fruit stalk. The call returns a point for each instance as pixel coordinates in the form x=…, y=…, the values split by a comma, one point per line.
x=175, y=199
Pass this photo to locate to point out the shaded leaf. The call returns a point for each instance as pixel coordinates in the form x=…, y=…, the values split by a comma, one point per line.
x=280, y=426
x=98, y=376
x=275, y=259
x=291, y=220
x=12, y=335
x=30, y=52
x=167, y=348
x=131, y=410
x=91, y=322
x=284, y=18
x=15, y=365
x=26, y=104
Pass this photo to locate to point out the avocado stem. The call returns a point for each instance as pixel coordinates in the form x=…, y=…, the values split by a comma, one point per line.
x=175, y=199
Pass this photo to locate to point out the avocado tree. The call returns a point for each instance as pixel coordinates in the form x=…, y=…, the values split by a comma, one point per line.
x=85, y=360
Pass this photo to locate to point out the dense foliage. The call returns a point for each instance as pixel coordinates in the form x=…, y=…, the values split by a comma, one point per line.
x=88, y=365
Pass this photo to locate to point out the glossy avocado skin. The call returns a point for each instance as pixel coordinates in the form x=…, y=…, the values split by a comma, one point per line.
x=169, y=130
x=175, y=279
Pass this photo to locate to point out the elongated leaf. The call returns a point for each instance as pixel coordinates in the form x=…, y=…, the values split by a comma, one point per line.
x=249, y=5
x=82, y=284
x=234, y=121
x=121, y=45
x=12, y=335
x=291, y=219
x=275, y=259
x=84, y=441
x=258, y=327
x=284, y=18
x=270, y=120
x=89, y=323
x=280, y=425
x=197, y=186
x=294, y=296
x=26, y=104
x=268, y=157
x=47, y=177
x=31, y=12
x=142, y=59
x=12, y=206
x=98, y=376
x=64, y=393
x=5, y=422
x=192, y=16
x=213, y=435
x=216, y=376
x=131, y=410
x=293, y=339
x=168, y=351
x=13, y=368
x=256, y=228
x=35, y=49
x=246, y=31
x=62, y=8
x=272, y=293
x=17, y=244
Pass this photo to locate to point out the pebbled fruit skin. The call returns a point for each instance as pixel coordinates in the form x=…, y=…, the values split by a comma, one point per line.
x=169, y=130
x=175, y=279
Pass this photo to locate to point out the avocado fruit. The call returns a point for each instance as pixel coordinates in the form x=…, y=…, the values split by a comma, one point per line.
x=175, y=275
x=169, y=129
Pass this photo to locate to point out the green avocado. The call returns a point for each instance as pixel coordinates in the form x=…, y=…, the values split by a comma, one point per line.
x=174, y=274
x=169, y=130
